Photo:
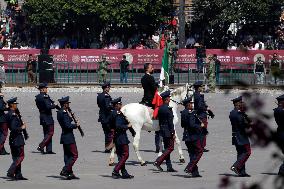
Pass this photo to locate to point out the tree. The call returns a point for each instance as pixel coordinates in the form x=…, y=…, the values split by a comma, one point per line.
x=139, y=15
x=219, y=14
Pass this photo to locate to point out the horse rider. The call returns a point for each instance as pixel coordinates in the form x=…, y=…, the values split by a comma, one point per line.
x=167, y=131
x=150, y=87
x=202, y=109
x=279, y=119
x=120, y=125
x=192, y=136
x=105, y=105
x=240, y=123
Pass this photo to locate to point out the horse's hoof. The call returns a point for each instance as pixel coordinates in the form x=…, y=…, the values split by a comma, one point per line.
x=182, y=160
x=111, y=164
x=143, y=164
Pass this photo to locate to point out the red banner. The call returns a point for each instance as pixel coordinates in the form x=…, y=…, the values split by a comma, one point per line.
x=88, y=58
x=15, y=57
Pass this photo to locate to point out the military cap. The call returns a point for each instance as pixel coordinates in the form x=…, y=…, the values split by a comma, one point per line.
x=280, y=98
x=238, y=99
x=42, y=85
x=198, y=84
x=116, y=101
x=64, y=100
x=165, y=94
x=12, y=101
x=105, y=84
x=187, y=100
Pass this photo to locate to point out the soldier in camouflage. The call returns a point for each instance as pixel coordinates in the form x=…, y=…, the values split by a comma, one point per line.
x=102, y=70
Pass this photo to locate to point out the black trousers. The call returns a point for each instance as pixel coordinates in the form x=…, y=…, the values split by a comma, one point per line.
x=107, y=133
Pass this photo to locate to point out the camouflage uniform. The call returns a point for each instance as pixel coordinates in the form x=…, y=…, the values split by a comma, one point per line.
x=102, y=70
x=211, y=75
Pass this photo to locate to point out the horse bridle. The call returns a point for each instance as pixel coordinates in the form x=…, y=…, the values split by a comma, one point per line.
x=187, y=96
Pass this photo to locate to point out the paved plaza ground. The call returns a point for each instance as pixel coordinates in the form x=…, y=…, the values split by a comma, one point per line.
x=92, y=168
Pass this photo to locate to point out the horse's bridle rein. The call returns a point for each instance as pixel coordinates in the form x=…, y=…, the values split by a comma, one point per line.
x=187, y=96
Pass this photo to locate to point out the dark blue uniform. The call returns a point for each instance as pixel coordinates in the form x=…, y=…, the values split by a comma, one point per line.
x=192, y=136
x=68, y=140
x=279, y=118
x=240, y=139
x=45, y=106
x=3, y=126
x=167, y=131
x=16, y=142
x=119, y=124
x=104, y=103
x=201, y=110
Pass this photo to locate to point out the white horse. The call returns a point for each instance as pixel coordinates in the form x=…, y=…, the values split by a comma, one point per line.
x=139, y=117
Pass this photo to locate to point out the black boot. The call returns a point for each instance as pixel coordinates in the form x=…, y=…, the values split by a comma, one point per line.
x=71, y=176
x=115, y=175
x=10, y=175
x=170, y=169
x=20, y=177
x=41, y=150
x=158, y=166
x=125, y=175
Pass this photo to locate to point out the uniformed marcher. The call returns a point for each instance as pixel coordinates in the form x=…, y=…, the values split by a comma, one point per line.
x=105, y=105
x=45, y=106
x=192, y=136
x=120, y=125
x=167, y=131
x=16, y=141
x=67, y=138
x=279, y=119
x=240, y=138
x=202, y=109
x=3, y=126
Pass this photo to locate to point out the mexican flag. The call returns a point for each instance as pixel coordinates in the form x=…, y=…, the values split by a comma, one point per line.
x=164, y=75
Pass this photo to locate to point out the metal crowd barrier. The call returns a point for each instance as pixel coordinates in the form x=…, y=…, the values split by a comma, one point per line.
x=71, y=73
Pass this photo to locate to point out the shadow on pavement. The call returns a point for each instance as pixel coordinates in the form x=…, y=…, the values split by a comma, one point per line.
x=57, y=177
x=183, y=176
x=8, y=179
x=273, y=174
x=228, y=175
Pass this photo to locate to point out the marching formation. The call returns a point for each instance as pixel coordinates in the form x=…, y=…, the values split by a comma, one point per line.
x=115, y=123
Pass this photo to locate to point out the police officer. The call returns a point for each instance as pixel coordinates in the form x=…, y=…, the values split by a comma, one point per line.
x=279, y=119
x=105, y=105
x=16, y=140
x=202, y=109
x=67, y=138
x=120, y=125
x=3, y=126
x=167, y=131
x=45, y=106
x=240, y=139
x=192, y=136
